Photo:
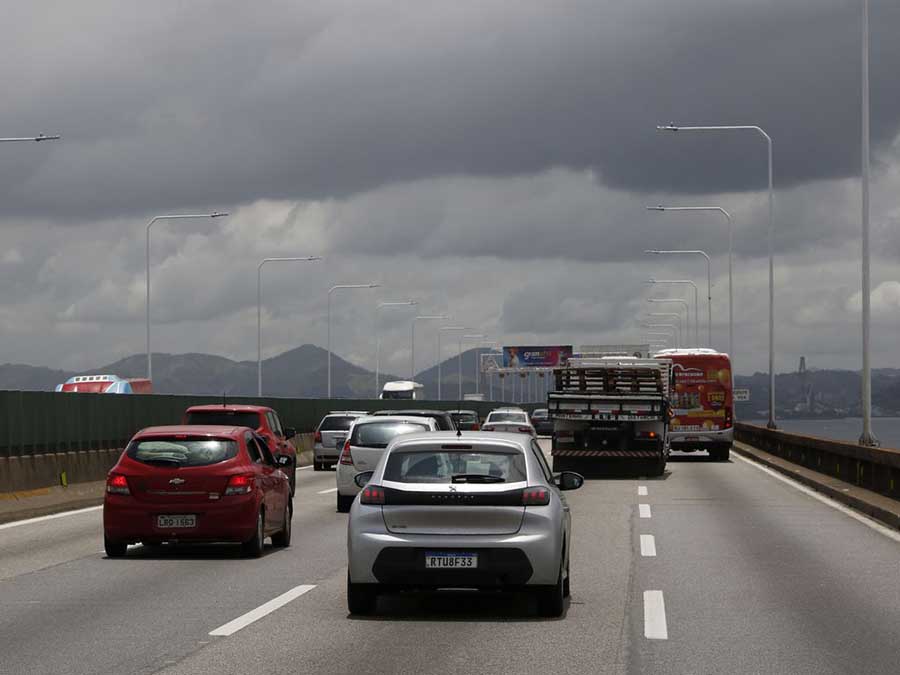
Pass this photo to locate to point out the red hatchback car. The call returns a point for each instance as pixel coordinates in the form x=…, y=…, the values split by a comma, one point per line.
x=197, y=484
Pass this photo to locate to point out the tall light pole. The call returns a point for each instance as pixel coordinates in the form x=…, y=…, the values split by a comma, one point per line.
x=687, y=314
x=178, y=216
x=667, y=326
x=38, y=139
x=730, y=263
x=259, y=311
x=749, y=127
x=407, y=303
x=330, y=291
x=867, y=437
x=708, y=283
x=696, y=301
x=412, y=339
x=439, y=331
x=484, y=343
x=671, y=315
x=476, y=336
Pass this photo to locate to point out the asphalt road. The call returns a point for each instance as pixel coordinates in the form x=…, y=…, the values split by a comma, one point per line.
x=750, y=575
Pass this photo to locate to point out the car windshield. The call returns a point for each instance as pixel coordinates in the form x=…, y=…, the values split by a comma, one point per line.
x=182, y=451
x=539, y=414
x=464, y=418
x=336, y=423
x=379, y=434
x=518, y=418
x=453, y=466
x=224, y=418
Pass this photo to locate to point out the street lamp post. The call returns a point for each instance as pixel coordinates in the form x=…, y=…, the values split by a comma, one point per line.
x=412, y=340
x=330, y=291
x=708, y=284
x=181, y=216
x=441, y=330
x=671, y=315
x=696, y=301
x=667, y=326
x=477, y=336
x=687, y=315
x=730, y=263
x=484, y=343
x=748, y=127
x=407, y=303
x=259, y=311
x=38, y=139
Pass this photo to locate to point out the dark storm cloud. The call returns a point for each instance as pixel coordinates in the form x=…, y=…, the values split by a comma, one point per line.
x=174, y=105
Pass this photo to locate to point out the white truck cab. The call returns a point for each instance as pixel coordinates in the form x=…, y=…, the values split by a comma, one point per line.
x=404, y=390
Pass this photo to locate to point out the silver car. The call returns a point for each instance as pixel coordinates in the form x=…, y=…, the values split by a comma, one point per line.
x=512, y=420
x=461, y=510
x=330, y=436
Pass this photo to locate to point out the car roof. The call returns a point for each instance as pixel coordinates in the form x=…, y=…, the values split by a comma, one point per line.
x=211, y=430
x=229, y=407
x=506, y=410
x=347, y=413
x=520, y=441
x=368, y=419
x=462, y=412
x=412, y=411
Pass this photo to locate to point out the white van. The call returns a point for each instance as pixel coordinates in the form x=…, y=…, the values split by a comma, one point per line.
x=403, y=390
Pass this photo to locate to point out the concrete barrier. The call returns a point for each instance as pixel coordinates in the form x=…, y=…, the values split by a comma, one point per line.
x=875, y=469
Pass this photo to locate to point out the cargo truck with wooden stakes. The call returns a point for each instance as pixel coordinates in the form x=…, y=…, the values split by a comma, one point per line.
x=607, y=410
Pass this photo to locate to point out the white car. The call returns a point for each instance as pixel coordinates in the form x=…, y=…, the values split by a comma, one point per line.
x=366, y=441
x=509, y=420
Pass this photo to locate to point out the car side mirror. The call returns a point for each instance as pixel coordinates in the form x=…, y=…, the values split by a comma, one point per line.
x=361, y=479
x=289, y=433
x=569, y=480
x=284, y=460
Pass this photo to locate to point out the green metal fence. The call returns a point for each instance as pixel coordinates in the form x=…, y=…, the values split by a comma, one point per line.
x=36, y=422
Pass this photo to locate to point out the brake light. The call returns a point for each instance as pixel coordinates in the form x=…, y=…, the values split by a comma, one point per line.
x=535, y=496
x=372, y=494
x=646, y=434
x=524, y=430
x=487, y=427
x=728, y=418
x=318, y=436
x=240, y=484
x=346, y=457
x=475, y=427
x=117, y=484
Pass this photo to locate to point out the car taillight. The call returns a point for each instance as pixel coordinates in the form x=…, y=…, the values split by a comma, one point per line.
x=475, y=427
x=372, y=494
x=487, y=428
x=318, y=436
x=240, y=484
x=646, y=434
x=535, y=496
x=346, y=457
x=117, y=484
x=524, y=430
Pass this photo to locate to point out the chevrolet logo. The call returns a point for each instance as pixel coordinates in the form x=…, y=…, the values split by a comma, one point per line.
x=176, y=481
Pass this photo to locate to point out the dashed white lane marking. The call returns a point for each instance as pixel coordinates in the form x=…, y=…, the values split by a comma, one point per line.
x=648, y=546
x=642, y=490
x=64, y=514
x=304, y=468
x=655, y=616
x=245, y=620
x=878, y=527
x=644, y=510
x=326, y=492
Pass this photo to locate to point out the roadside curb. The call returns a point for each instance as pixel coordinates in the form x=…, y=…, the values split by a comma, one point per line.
x=881, y=508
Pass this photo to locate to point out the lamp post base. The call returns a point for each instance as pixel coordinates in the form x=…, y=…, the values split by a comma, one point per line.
x=869, y=440
x=771, y=425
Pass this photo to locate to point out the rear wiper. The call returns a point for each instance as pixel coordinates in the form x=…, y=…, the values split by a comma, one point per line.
x=476, y=478
x=164, y=460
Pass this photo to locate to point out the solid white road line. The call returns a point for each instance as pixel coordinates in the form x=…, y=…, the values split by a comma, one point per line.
x=642, y=490
x=868, y=522
x=648, y=546
x=64, y=514
x=644, y=510
x=655, y=616
x=327, y=492
x=255, y=615
x=304, y=468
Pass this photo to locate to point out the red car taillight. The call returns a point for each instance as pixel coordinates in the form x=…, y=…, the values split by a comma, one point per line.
x=475, y=427
x=346, y=457
x=524, y=430
x=318, y=436
x=240, y=484
x=487, y=428
x=535, y=496
x=117, y=484
x=728, y=418
x=372, y=494
x=646, y=434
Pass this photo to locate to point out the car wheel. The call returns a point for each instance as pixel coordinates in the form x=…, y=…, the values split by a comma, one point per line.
x=720, y=454
x=344, y=503
x=254, y=547
x=361, y=598
x=113, y=548
x=283, y=538
x=551, y=599
x=318, y=466
x=658, y=467
x=567, y=587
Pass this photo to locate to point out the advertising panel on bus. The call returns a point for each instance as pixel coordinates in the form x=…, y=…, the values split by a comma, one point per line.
x=702, y=399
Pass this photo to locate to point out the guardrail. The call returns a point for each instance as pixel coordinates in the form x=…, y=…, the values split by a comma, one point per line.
x=876, y=469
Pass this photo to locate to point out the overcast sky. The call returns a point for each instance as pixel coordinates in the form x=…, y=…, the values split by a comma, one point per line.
x=489, y=159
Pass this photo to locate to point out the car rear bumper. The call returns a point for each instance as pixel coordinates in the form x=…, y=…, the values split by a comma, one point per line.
x=700, y=440
x=231, y=519
x=321, y=453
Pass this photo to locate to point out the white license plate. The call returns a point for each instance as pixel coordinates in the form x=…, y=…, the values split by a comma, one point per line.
x=447, y=561
x=174, y=522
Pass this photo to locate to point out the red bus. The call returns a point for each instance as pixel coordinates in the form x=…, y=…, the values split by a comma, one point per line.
x=702, y=403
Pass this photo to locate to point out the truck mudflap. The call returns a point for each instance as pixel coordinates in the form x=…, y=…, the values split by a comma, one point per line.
x=626, y=454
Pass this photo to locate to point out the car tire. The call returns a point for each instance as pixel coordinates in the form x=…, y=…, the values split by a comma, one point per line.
x=253, y=548
x=567, y=586
x=361, y=598
x=721, y=454
x=344, y=503
x=318, y=466
x=551, y=599
x=113, y=548
x=658, y=467
x=283, y=539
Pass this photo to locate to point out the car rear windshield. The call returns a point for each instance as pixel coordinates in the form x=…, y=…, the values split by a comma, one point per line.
x=449, y=466
x=379, y=434
x=182, y=451
x=224, y=418
x=507, y=417
x=539, y=414
x=336, y=423
x=465, y=418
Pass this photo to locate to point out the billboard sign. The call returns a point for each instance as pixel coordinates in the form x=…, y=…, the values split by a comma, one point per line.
x=536, y=357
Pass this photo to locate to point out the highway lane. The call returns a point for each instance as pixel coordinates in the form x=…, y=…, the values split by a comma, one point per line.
x=754, y=575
